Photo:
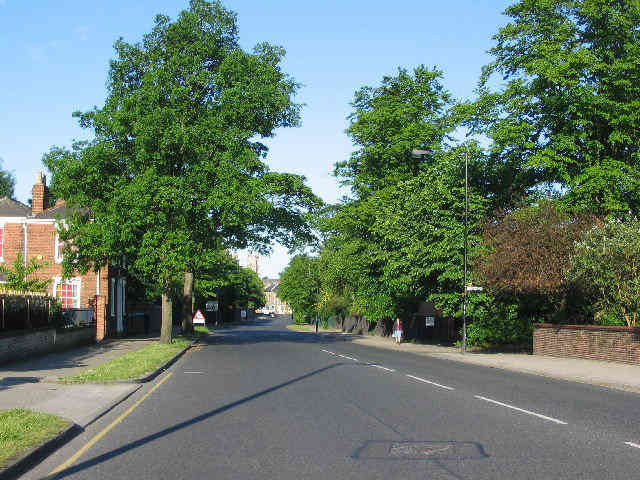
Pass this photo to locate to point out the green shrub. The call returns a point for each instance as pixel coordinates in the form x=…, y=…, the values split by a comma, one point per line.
x=501, y=324
x=606, y=264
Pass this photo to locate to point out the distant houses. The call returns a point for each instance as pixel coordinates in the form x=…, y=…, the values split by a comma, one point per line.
x=274, y=304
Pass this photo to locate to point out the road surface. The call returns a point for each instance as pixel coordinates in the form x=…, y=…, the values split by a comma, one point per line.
x=258, y=401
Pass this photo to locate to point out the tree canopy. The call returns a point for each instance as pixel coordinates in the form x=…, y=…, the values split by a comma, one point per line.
x=569, y=114
x=224, y=279
x=552, y=143
x=398, y=239
x=405, y=112
x=176, y=170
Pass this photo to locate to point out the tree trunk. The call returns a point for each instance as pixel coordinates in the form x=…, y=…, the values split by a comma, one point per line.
x=187, y=304
x=167, y=319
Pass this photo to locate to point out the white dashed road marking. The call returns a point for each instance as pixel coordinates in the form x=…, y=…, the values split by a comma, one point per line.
x=430, y=382
x=555, y=420
x=381, y=367
x=631, y=444
x=327, y=351
x=348, y=358
x=200, y=373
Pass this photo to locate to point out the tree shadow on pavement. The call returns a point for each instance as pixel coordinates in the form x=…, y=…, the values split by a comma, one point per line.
x=150, y=438
x=8, y=382
x=75, y=357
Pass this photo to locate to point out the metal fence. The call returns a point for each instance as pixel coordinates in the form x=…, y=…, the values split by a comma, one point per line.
x=24, y=311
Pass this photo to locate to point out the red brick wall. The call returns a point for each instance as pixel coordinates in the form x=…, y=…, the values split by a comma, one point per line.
x=615, y=344
x=13, y=242
x=100, y=314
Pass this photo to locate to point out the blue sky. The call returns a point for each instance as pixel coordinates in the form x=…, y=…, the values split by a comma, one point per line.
x=56, y=53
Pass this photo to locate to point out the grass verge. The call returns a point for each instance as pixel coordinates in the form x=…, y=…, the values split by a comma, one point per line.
x=133, y=364
x=22, y=430
x=308, y=327
x=201, y=330
x=304, y=327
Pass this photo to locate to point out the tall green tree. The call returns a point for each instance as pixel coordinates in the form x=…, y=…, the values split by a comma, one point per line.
x=405, y=112
x=300, y=286
x=399, y=238
x=569, y=113
x=351, y=263
x=420, y=228
x=7, y=182
x=176, y=171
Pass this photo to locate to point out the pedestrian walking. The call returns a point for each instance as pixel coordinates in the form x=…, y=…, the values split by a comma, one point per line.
x=397, y=331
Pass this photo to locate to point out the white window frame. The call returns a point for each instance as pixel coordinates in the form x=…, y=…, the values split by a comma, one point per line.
x=77, y=281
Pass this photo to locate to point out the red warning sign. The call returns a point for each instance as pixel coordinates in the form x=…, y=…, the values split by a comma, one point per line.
x=198, y=318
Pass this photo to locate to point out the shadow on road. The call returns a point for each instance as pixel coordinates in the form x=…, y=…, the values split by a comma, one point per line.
x=240, y=337
x=150, y=438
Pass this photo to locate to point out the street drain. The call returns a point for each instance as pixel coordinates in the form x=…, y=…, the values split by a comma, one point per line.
x=418, y=450
x=407, y=450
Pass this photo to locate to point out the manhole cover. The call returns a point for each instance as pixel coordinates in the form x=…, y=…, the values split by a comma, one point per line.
x=409, y=450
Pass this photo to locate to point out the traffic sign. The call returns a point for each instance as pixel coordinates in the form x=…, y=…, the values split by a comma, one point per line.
x=473, y=288
x=211, y=306
x=198, y=318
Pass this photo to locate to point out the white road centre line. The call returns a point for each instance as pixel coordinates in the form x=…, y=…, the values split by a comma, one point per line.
x=544, y=417
x=382, y=368
x=631, y=444
x=327, y=351
x=430, y=382
x=200, y=373
x=348, y=358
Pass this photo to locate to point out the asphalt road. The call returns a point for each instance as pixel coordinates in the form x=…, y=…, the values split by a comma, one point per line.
x=257, y=401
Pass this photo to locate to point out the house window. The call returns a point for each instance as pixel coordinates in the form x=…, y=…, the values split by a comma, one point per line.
x=68, y=291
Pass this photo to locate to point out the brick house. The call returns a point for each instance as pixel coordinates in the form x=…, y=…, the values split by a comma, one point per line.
x=33, y=231
x=274, y=304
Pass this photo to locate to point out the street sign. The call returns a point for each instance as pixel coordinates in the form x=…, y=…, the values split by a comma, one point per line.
x=430, y=321
x=473, y=288
x=211, y=306
x=243, y=314
x=198, y=318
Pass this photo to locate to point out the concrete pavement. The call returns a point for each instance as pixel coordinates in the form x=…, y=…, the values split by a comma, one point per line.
x=31, y=384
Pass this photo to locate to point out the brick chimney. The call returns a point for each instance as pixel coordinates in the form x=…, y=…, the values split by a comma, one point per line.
x=38, y=193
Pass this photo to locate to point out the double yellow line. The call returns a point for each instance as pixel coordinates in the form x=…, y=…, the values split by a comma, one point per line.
x=107, y=429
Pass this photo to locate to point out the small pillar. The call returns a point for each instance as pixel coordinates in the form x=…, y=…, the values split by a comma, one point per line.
x=100, y=314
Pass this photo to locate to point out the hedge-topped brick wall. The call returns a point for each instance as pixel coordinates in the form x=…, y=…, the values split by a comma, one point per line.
x=615, y=344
